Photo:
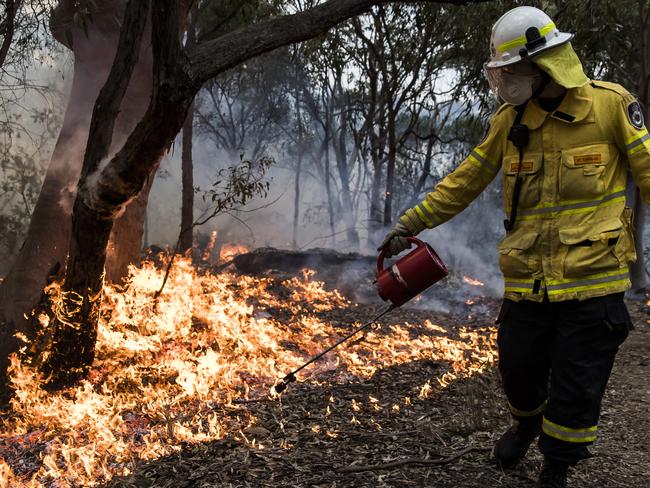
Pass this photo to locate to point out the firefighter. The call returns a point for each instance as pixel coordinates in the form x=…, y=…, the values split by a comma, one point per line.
x=565, y=145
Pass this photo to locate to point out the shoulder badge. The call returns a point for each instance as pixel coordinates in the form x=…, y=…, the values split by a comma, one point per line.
x=635, y=114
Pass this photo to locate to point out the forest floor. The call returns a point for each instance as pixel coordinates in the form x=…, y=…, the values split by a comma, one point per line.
x=373, y=432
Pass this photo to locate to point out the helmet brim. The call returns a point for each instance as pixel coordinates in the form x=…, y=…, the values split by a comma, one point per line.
x=561, y=38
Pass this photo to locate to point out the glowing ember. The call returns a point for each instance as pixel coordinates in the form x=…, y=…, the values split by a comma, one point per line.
x=229, y=251
x=471, y=281
x=166, y=374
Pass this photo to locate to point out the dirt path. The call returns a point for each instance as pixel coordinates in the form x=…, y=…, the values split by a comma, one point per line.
x=320, y=429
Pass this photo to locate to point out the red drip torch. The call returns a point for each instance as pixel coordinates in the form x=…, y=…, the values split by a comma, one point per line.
x=410, y=275
x=399, y=283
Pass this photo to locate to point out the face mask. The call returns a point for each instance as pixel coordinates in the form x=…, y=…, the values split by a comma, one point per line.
x=514, y=89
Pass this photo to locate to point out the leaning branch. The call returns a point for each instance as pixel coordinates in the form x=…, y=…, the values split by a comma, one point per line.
x=110, y=97
x=212, y=57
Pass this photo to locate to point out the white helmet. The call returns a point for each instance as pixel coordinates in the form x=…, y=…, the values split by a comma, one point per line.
x=523, y=32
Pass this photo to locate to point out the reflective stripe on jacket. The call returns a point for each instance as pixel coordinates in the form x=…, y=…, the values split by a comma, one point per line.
x=573, y=236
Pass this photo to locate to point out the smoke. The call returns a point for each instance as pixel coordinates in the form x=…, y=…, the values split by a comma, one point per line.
x=467, y=243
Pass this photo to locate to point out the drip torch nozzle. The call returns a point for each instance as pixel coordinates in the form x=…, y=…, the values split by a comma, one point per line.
x=291, y=377
x=280, y=387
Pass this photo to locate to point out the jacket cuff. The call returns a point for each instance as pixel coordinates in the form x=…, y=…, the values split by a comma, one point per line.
x=412, y=222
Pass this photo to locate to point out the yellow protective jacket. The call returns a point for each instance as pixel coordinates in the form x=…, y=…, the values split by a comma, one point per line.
x=572, y=237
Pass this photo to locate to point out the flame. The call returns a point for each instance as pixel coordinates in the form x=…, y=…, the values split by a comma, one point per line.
x=229, y=251
x=164, y=371
x=471, y=281
x=208, y=249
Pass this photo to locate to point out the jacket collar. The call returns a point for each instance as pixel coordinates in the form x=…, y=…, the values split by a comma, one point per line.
x=575, y=107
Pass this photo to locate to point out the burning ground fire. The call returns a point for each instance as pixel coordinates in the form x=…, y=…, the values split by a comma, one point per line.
x=166, y=373
x=471, y=281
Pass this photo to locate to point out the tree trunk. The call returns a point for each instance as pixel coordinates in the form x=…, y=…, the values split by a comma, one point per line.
x=187, y=210
x=375, y=220
x=125, y=245
x=390, y=170
x=186, y=238
x=343, y=165
x=73, y=344
x=296, y=200
x=328, y=188
x=46, y=244
x=296, y=204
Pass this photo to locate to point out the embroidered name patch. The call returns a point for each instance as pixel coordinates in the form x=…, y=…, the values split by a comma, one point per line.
x=525, y=166
x=588, y=159
x=635, y=114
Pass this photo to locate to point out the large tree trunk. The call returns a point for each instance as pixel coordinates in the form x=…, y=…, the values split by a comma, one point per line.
x=46, y=244
x=94, y=214
x=125, y=245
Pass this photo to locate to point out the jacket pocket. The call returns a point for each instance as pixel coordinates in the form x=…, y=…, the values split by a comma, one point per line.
x=593, y=247
x=531, y=179
x=582, y=172
x=625, y=248
x=516, y=256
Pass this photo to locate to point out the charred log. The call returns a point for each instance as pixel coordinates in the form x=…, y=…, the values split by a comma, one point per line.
x=350, y=273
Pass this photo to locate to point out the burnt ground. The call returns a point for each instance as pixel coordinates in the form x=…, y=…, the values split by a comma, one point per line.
x=314, y=434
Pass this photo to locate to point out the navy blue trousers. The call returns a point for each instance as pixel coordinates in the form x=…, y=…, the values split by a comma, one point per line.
x=555, y=359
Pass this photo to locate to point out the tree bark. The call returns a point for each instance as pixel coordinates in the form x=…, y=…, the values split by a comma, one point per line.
x=46, y=244
x=186, y=240
x=343, y=165
x=9, y=26
x=75, y=330
x=390, y=169
x=296, y=198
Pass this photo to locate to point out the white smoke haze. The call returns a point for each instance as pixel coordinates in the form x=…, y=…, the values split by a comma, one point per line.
x=467, y=243
x=32, y=115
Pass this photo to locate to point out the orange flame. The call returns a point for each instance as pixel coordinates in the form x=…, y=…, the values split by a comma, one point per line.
x=208, y=249
x=229, y=251
x=164, y=371
x=471, y=281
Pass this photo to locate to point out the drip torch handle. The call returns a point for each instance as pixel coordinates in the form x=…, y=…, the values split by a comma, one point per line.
x=382, y=255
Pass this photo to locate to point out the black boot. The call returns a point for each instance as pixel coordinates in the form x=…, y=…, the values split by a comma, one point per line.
x=513, y=444
x=553, y=474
